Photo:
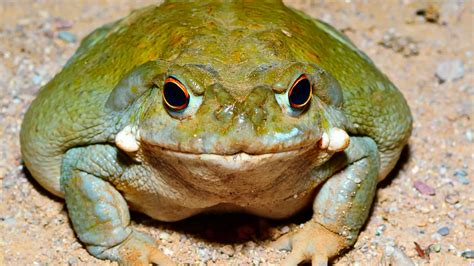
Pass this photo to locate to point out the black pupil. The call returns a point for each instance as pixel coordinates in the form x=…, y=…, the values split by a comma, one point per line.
x=174, y=95
x=300, y=93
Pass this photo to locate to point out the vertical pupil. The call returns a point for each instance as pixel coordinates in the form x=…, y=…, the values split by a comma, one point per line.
x=174, y=95
x=300, y=93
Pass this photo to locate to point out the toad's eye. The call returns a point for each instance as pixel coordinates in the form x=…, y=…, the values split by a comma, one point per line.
x=175, y=94
x=300, y=93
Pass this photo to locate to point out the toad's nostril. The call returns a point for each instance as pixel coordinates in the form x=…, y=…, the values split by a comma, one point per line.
x=225, y=112
x=257, y=115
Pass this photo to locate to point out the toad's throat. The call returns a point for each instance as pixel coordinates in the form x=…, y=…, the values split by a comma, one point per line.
x=227, y=175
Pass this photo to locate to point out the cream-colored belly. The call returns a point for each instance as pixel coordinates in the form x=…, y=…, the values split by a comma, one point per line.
x=273, y=207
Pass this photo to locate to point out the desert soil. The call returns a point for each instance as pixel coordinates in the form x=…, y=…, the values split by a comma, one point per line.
x=425, y=48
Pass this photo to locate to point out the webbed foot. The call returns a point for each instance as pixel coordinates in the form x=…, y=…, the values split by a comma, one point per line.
x=312, y=243
x=137, y=249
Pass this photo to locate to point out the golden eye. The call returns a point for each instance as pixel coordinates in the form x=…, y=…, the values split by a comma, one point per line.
x=175, y=94
x=300, y=93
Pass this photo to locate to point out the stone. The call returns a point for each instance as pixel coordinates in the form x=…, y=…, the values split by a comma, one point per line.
x=450, y=70
x=67, y=36
x=444, y=231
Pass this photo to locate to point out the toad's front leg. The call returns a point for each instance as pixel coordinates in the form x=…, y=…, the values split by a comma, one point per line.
x=98, y=211
x=340, y=208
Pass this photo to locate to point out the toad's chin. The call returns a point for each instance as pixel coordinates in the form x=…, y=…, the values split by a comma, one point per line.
x=228, y=175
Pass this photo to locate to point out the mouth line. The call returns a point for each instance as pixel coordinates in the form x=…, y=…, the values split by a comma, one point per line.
x=236, y=154
x=236, y=162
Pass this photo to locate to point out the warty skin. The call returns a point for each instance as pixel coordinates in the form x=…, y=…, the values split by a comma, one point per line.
x=100, y=135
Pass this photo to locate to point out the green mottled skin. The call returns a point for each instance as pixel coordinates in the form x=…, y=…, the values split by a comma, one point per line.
x=238, y=59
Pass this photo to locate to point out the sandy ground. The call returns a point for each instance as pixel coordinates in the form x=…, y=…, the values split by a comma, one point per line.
x=428, y=199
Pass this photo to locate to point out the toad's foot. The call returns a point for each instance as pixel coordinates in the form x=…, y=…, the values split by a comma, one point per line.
x=137, y=249
x=312, y=242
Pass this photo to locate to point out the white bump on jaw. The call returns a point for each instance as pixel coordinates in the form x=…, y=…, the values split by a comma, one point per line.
x=324, y=141
x=338, y=139
x=126, y=139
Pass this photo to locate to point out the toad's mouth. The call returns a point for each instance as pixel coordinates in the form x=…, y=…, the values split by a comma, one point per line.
x=239, y=161
x=238, y=155
x=334, y=140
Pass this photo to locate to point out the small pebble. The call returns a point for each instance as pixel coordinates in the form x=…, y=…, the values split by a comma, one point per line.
x=238, y=248
x=443, y=169
x=395, y=256
x=228, y=249
x=444, y=231
x=464, y=180
x=67, y=36
x=214, y=255
x=250, y=245
x=430, y=13
x=468, y=254
x=168, y=252
x=469, y=135
x=63, y=24
x=37, y=79
x=164, y=236
x=72, y=261
x=450, y=70
x=204, y=254
x=452, y=198
x=424, y=188
x=364, y=248
x=405, y=45
x=9, y=221
x=461, y=174
x=451, y=247
x=285, y=229
x=380, y=230
x=435, y=248
x=451, y=215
